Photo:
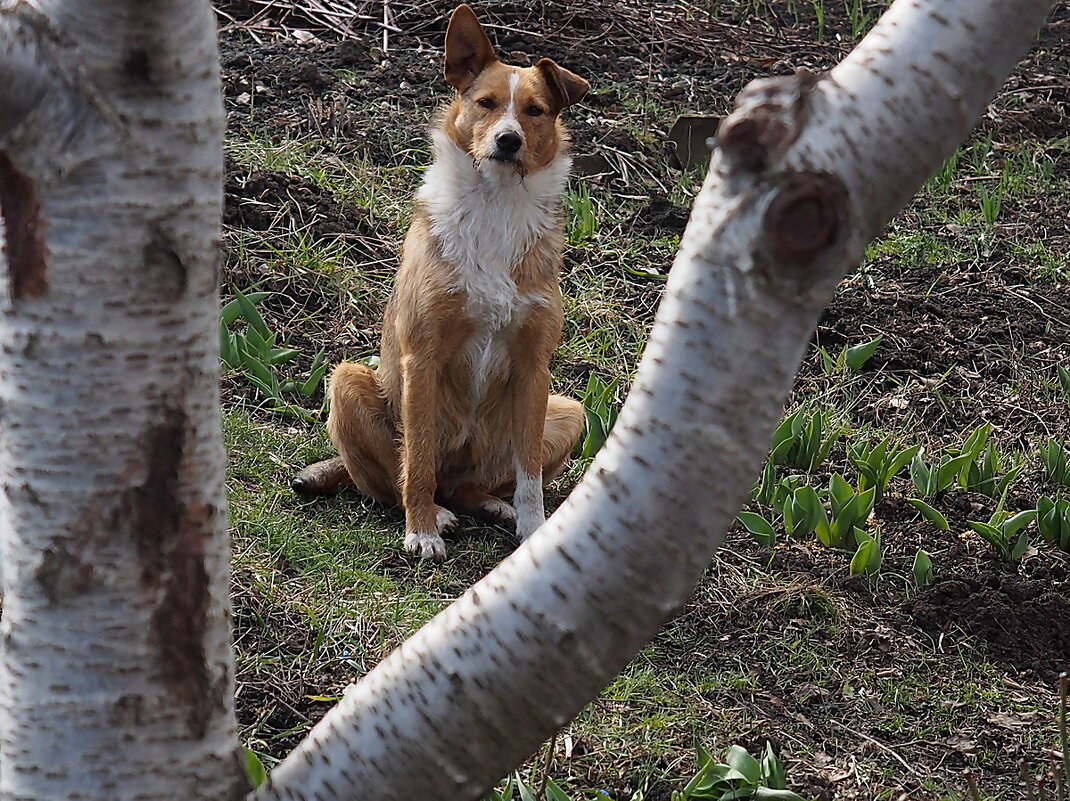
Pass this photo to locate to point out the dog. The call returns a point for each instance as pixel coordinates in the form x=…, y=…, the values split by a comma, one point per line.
x=459, y=415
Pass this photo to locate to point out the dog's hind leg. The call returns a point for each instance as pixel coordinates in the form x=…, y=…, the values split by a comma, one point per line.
x=361, y=429
x=471, y=499
x=322, y=478
x=563, y=429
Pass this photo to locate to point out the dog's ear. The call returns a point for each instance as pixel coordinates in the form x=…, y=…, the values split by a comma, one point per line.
x=567, y=87
x=468, y=50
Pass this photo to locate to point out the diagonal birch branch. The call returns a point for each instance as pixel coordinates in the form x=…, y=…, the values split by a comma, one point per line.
x=807, y=171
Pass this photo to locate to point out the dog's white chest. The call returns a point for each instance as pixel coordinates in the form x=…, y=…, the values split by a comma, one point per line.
x=486, y=218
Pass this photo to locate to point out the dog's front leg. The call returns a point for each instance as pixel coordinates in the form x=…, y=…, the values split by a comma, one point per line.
x=425, y=521
x=529, y=416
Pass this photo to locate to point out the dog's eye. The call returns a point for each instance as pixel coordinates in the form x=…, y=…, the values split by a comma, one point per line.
x=534, y=111
x=487, y=102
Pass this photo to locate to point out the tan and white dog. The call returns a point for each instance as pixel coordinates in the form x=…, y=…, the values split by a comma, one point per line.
x=459, y=414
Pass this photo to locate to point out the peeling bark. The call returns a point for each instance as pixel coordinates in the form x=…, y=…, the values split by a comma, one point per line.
x=24, y=246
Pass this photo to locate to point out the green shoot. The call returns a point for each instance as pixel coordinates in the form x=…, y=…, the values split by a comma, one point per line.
x=1053, y=521
x=253, y=351
x=867, y=558
x=853, y=358
x=1007, y=535
x=1056, y=460
x=922, y=569
x=740, y=775
x=582, y=220
x=802, y=441
x=760, y=528
x=600, y=408
x=878, y=464
x=929, y=513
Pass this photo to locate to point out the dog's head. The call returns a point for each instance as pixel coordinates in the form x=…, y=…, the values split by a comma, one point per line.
x=502, y=114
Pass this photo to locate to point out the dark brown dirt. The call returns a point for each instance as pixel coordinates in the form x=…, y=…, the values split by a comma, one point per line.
x=1023, y=620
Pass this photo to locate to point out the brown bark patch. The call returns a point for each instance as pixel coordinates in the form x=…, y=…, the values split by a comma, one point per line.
x=23, y=235
x=164, y=269
x=138, y=66
x=62, y=575
x=169, y=537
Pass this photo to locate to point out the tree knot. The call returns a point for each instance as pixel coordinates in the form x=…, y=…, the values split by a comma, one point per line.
x=805, y=218
x=768, y=118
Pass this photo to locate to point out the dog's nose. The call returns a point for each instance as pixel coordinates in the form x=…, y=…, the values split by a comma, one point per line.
x=508, y=142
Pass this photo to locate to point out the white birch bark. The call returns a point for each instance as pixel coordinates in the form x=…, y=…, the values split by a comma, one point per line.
x=808, y=170
x=116, y=679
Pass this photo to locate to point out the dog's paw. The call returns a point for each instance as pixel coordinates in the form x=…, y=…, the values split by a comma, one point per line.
x=499, y=512
x=527, y=520
x=426, y=545
x=445, y=521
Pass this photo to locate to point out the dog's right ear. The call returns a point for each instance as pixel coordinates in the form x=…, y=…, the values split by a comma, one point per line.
x=468, y=50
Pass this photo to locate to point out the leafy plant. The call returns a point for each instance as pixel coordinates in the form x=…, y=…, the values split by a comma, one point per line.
x=853, y=358
x=254, y=351
x=516, y=789
x=930, y=480
x=760, y=528
x=1006, y=534
x=982, y=472
x=600, y=410
x=929, y=513
x=1053, y=521
x=803, y=441
x=764, y=488
x=868, y=555
x=740, y=775
x=878, y=464
x=836, y=527
x=582, y=220
x=991, y=203
x=1056, y=460
x=922, y=569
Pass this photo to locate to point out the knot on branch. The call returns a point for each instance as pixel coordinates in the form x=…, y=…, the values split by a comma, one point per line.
x=768, y=117
x=805, y=218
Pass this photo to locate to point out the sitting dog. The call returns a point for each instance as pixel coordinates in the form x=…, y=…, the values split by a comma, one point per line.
x=459, y=414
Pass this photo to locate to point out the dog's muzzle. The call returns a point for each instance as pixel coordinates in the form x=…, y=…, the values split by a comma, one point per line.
x=506, y=146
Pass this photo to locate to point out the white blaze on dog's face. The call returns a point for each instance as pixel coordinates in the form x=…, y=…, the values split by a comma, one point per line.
x=504, y=114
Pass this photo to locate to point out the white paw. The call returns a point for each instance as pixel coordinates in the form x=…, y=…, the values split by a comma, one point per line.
x=499, y=511
x=527, y=520
x=426, y=545
x=445, y=521
x=530, y=512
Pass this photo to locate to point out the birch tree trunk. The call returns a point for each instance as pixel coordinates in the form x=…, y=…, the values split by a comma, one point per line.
x=807, y=171
x=116, y=677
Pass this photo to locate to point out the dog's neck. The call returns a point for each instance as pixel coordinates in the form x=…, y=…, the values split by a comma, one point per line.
x=485, y=215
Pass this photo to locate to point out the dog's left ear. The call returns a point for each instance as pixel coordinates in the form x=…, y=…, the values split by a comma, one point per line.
x=567, y=87
x=468, y=50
